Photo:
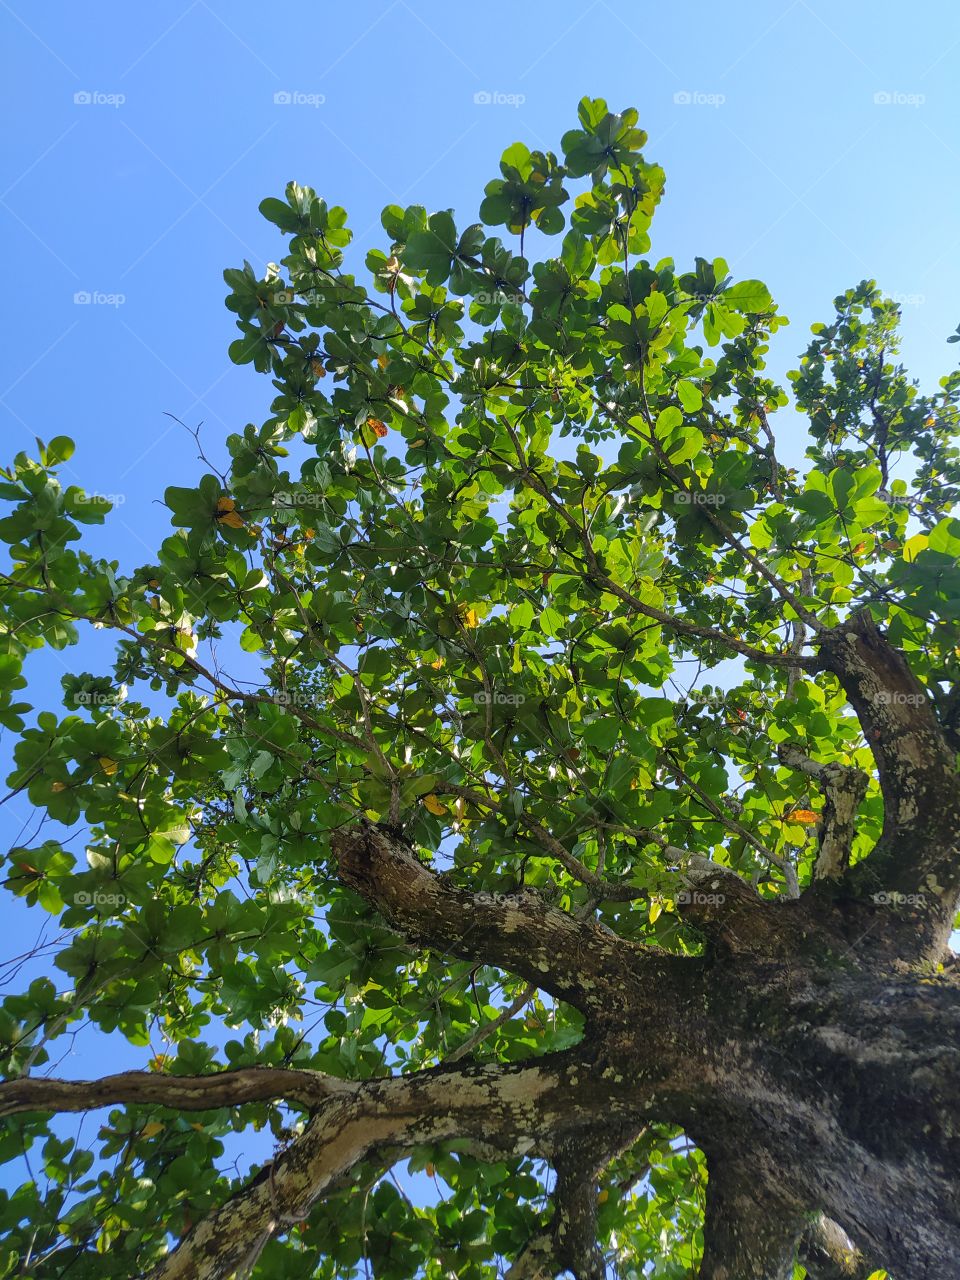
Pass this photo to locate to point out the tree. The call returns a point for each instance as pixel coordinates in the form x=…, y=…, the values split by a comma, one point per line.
x=579, y=821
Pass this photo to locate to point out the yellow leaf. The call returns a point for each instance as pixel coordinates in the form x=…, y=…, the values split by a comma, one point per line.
x=227, y=513
x=108, y=766
x=378, y=428
x=430, y=1169
x=434, y=805
x=318, y=370
x=468, y=617
x=152, y=1129
x=805, y=816
x=655, y=910
x=603, y=1197
x=913, y=546
x=382, y=361
x=58, y=786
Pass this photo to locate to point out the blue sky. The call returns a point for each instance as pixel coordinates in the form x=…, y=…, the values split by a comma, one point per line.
x=810, y=144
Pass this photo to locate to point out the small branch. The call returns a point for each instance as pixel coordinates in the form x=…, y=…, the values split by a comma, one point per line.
x=604, y=889
x=783, y=865
x=488, y=1028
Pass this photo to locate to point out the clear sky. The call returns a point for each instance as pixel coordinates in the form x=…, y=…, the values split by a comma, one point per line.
x=810, y=143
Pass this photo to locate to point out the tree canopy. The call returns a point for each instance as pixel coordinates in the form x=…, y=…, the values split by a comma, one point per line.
x=503, y=680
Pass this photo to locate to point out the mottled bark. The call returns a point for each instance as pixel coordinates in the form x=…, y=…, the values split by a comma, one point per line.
x=749, y=1232
x=828, y=1253
x=569, y=1244
x=918, y=855
x=844, y=787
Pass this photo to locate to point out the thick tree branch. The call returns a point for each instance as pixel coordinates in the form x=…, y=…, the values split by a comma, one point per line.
x=917, y=852
x=730, y=912
x=518, y=1110
x=578, y=960
x=745, y=1237
x=844, y=787
x=569, y=1245
x=181, y=1093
